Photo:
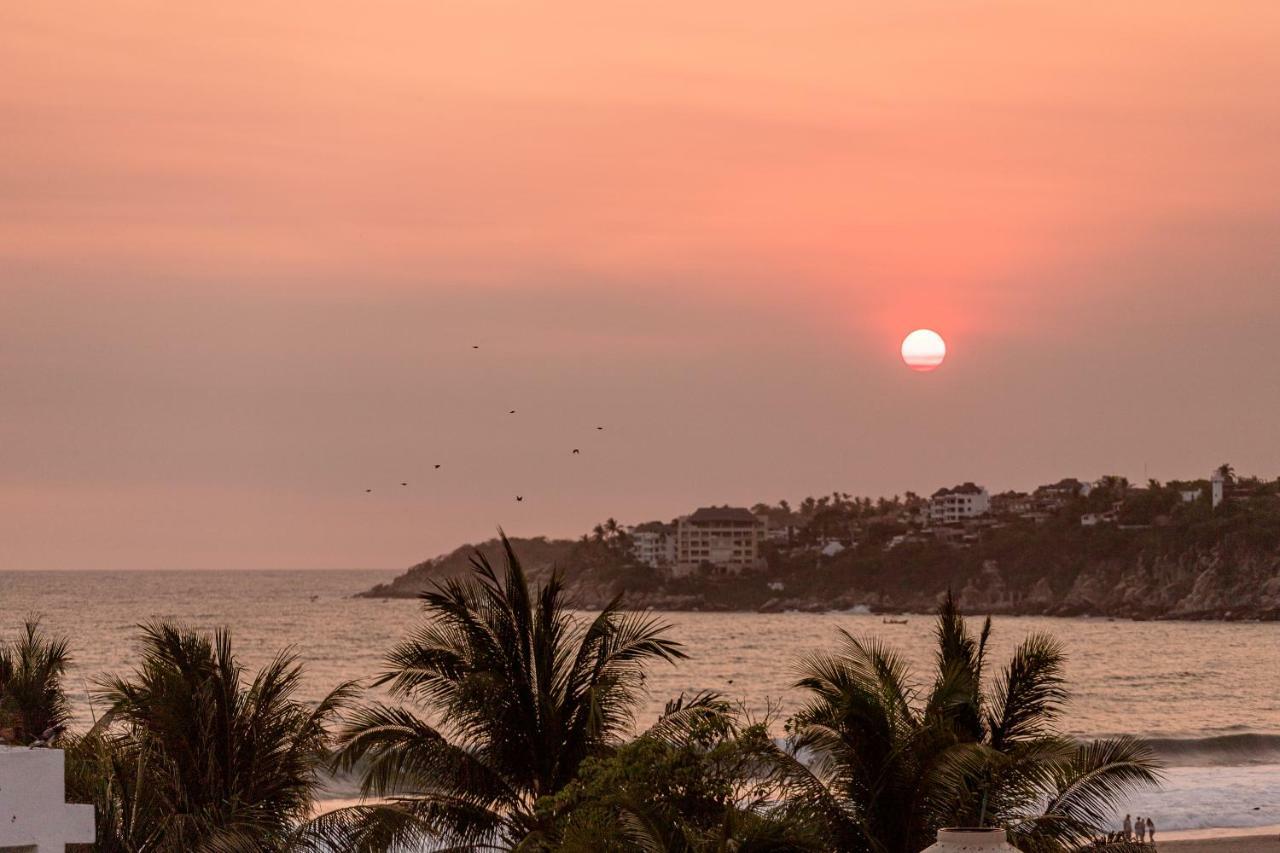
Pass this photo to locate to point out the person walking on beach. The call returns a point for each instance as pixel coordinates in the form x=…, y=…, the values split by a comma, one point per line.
x=1151, y=831
x=1128, y=827
x=1141, y=829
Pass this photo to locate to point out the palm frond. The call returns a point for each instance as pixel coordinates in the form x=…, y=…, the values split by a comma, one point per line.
x=1029, y=694
x=32, y=666
x=957, y=693
x=697, y=718
x=1090, y=783
x=398, y=753
x=437, y=824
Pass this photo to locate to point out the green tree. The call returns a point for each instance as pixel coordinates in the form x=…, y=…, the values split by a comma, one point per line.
x=192, y=755
x=891, y=764
x=32, y=701
x=1108, y=491
x=701, y=780
x=521, y=693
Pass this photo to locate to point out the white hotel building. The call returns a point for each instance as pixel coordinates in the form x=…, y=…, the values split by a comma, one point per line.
x=950, y=506
x=725, y=538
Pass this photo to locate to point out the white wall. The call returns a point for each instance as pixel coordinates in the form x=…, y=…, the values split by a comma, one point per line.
x=33, y=811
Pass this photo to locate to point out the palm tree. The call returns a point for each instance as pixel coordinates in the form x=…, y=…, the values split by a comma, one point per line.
x=1113, y=486
x=521, y=692
x=32, y=700
x=892, y=764
x=193, y=755
x=116, y=775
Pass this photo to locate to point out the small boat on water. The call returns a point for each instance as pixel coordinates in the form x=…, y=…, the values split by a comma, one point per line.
x=894, y=621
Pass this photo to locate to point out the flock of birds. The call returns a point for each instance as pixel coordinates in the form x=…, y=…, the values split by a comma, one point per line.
x=519, y=498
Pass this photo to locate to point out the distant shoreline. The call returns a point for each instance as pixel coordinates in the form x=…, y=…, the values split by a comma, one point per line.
x=647, y=604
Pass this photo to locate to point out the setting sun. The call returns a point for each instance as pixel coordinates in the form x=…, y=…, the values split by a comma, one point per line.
x=923, y=350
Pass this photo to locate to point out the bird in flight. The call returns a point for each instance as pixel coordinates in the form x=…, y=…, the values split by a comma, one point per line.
x=437, y=465
x=475, y=346
x=575, y=450
x=599, y=427
x=404, y=484
x=519, y=498
x=512, y=412
x=367, y=491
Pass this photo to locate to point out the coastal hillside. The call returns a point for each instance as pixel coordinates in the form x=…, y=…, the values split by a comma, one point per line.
x=538, y=555
x=1161, y=551
x=591, y=567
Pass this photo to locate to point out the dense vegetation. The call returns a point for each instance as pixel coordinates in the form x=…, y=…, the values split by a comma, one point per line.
x=191, y=754
x=511, y=729
x=1148, y=559
x=31, y=699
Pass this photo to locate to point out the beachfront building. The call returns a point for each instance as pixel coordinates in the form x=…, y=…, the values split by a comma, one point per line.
x=725, y=539
x=962, y=502
x=34, y=816
x=654, y=544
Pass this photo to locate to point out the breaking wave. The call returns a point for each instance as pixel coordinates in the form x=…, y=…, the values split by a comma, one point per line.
x=1222, y=750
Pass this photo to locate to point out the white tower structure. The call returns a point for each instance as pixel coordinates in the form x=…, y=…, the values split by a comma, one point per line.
x=1219, y=485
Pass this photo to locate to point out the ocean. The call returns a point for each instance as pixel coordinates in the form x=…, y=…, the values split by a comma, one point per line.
x=1207, y=694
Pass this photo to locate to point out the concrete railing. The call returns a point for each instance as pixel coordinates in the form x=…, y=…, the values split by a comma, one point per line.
x=34, y=814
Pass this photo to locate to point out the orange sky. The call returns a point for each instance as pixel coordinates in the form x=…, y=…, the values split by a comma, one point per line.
x=244, y=253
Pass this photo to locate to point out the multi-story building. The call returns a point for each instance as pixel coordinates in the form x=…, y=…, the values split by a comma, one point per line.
x=726, y=539
x=654, y=544
x=1011, y=503
x=949, y=506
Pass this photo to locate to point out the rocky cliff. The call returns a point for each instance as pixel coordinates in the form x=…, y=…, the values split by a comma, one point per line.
x=538, y=556
x=1225, y=569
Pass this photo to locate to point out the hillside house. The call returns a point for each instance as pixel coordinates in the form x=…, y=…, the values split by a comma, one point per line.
x=949, y=506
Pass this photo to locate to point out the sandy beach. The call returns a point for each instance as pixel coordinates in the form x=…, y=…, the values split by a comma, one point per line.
x=1235, y=844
